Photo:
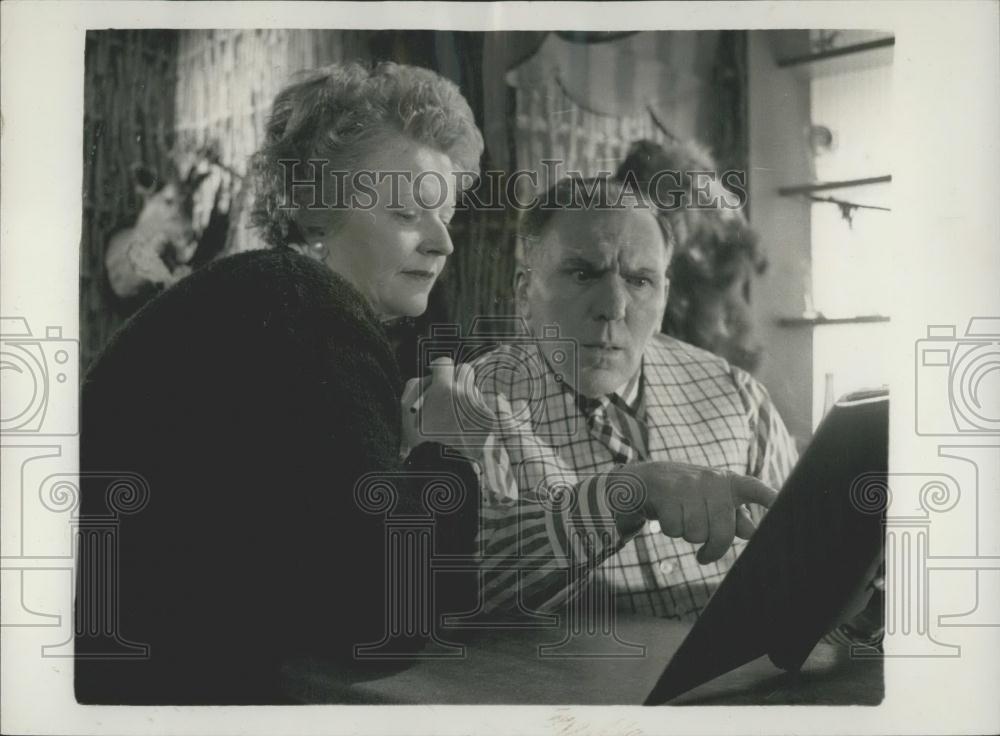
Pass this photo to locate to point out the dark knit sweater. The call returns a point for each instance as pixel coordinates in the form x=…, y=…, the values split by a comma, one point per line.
x=251, y=396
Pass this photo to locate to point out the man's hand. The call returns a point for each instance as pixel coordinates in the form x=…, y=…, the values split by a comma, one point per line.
x=701, y=505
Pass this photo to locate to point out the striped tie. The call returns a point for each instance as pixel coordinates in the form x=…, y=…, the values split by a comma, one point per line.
x=615, y=424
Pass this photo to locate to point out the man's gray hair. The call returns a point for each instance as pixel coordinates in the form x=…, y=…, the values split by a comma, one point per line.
x=577, y=194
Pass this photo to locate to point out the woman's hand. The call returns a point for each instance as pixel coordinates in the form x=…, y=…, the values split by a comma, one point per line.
x=446, y=407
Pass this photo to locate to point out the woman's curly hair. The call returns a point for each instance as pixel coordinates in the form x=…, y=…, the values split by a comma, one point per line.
x=339, y=114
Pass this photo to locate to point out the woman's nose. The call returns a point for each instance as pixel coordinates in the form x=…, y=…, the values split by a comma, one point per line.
x=437, y=239
x=611, y=298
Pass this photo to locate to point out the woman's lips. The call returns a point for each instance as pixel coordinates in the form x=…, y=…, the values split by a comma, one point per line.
x=421, y=275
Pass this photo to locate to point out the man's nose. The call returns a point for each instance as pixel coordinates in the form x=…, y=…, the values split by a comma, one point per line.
x=612, y=299
x=437, y=239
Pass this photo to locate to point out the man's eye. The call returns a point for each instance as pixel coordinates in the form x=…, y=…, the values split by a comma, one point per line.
x=582, y=277
x=406, y=215
x=639, y=282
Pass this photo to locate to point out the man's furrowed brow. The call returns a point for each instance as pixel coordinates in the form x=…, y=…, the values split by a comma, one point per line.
x=645, y=272
x=578, y=261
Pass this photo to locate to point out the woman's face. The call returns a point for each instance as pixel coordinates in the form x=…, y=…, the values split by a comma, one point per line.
x=394, y=250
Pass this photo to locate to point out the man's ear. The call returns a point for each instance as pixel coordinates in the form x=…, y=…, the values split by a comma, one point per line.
x=666, y=296
x=522, y=278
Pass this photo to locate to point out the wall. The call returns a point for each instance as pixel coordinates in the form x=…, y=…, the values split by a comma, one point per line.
x=779, y=156
x=226, y=81
x=128, y=117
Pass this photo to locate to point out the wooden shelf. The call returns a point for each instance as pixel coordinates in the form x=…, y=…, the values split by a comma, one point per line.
x=833, y=53
x=819, y=319
x=823, y=186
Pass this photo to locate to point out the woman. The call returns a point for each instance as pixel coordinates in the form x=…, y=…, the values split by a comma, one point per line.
x=252, y=396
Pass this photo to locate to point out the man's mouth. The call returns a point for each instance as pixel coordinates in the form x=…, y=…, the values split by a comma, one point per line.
x=602, y=346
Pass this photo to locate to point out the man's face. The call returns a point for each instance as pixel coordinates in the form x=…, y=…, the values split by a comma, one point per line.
x=600, y=275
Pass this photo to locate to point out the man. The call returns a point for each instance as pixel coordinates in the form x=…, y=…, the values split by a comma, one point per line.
x=634, y=461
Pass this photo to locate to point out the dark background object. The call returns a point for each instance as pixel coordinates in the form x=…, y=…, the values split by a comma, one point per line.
x=820, y=542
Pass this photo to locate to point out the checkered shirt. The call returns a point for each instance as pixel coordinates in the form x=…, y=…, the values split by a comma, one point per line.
x=548, y=476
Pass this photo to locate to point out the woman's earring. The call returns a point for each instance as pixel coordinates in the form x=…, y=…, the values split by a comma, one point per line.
x=318, y=250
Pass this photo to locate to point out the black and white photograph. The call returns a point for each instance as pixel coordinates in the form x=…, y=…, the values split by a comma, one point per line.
x=586, y=356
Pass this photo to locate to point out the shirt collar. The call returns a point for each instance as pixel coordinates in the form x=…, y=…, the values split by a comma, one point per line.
x=629, y=394
x=631, y=391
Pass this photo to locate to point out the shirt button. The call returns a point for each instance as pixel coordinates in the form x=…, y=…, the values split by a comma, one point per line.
x=654, y=526
x=666, y=567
